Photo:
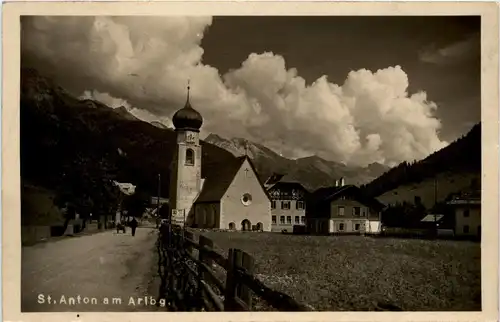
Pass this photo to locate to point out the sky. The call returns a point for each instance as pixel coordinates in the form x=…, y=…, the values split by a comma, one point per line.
x=355, y=90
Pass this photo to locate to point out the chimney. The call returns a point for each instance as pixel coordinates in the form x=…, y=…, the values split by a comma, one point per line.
x=336, y=183
x=342, y=182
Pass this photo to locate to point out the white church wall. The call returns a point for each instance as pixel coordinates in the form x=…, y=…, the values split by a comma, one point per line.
x=186, y=181
x=234, y=209
x=207, y=215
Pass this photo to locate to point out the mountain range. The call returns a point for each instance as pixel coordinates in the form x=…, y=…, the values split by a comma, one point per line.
x=313, y=172
x=65, y=136
x=57, y=129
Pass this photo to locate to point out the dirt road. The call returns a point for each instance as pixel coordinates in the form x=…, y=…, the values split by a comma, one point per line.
x=103, y=272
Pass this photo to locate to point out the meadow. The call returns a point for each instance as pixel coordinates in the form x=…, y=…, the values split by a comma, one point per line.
x=355, y=273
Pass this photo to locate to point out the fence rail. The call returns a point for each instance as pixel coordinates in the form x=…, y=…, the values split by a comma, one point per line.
x=195, y=277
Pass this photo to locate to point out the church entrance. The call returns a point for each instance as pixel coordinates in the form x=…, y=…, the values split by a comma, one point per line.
x=231, y=226
x=246, y=225
x=260, y=226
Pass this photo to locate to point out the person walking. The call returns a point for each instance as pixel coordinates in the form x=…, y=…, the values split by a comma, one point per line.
x=133, y=225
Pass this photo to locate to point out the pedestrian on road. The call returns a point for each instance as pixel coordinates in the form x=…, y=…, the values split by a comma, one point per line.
x=133, y=225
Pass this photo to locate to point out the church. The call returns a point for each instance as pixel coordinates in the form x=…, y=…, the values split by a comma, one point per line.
x=230, y=197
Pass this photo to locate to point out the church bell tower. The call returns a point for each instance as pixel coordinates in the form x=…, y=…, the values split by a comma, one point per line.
x=185, y=177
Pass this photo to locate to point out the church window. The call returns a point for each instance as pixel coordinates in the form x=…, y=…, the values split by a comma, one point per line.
x=288, y=219
x=203, y=215
x=299, y=205
x=274, y=220
x=273, y=204
x=189, y=157
x=282, y=219
x=285, y=205
x=297, y=219
x=246, y=199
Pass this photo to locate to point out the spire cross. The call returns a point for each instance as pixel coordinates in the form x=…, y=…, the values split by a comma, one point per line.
x=188, y=88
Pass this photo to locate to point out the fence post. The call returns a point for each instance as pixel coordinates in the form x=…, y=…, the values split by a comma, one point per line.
x=205, y=259
x=230, y=291
x=245, y=294
x=234, y=288
x=189, y=248
x=184, y=280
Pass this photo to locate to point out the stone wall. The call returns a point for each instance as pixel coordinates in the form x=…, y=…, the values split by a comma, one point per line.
x=33, y=234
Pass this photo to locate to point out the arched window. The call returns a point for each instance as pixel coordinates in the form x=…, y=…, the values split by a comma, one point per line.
x=189, y=157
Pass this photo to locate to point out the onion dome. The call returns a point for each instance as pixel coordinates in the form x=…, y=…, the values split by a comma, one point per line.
x=187, y=118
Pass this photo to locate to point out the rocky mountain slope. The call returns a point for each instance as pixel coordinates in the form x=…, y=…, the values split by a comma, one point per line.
x=449, y=170
x=313, y=172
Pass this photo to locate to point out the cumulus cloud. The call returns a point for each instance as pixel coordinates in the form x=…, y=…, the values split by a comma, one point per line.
x=144, y=65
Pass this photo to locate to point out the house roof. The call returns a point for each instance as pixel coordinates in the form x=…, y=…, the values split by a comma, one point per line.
x=274, y=178
x=467, y=197
x=328, y=194
x=287, y=190
x=322, y=194
x=288, y=186
x=220, y=178
x=432, y=218
x=154, y=200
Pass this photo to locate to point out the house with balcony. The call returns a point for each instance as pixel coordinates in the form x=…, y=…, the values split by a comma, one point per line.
x=343, y=209
x=288, y=204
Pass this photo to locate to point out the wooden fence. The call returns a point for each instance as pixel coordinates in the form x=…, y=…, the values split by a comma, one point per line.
x=194, y=277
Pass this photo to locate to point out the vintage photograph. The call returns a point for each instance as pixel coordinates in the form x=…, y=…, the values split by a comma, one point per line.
x=250, y=163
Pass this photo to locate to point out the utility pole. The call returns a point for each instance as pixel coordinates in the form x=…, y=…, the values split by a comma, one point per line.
x=158, y=201
x=435, y=202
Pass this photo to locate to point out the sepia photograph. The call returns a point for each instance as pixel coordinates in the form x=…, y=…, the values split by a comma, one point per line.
x=290, y=163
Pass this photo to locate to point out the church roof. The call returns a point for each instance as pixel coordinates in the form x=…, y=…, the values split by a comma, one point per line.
x=220, y=178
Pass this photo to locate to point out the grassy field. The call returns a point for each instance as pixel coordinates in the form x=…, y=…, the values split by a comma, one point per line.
x=353, y=273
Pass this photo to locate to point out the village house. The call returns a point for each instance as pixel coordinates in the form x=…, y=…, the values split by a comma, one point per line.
x=342, y=209
x=288, y=203
x=230, y=196
x=154, y=204
x=467, y=211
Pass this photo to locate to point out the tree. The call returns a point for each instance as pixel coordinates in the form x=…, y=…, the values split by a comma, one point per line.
x=404, y=215
x=86, y=187
x=136, y=204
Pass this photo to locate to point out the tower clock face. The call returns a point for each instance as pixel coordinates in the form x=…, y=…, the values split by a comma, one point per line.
x=190, y=138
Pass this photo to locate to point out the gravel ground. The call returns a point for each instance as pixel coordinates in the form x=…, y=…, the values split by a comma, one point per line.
x=96, y=267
